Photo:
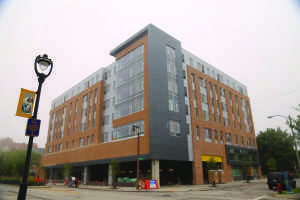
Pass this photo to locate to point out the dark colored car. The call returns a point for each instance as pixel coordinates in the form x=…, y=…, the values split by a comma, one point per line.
x=274, y=178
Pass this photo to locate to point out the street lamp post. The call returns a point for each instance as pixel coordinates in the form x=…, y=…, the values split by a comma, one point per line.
x=289, y=119
x=137, y=128
x=41, y=65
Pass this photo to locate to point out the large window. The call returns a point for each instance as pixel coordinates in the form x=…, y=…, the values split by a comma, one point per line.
x=207, y=134
x=172, y=80
x=249, y=143
x=197, y=133
x=216, y=136
x=90, y=109
x=62, y=125
x=83, y=114
x=130, y=83
x=212, y=100
x=52, y=126
x=228, y=138
x=81, y=142
x=76, y=107
x=125, y=131
x=224, y=106
x=204, y=99
x=70, y=115
x=174, y=128
x=95, y=106
x=244, y=111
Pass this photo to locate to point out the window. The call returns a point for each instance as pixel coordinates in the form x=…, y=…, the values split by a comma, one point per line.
x=186, y=109
x=174, y=128
x=228, y=138
x=204, y=99
x=216, y=136
x=95, y=106
x=125, y=131
x=197, y=133
x=59, y=147
x=73, y=144
x=62, y=125
x=105, y=120
x=90, y=109
x=172, y=80
x=212, y=102
x=236, y=140
x=81, y=142
x=242, y=138
x=67, y=145
x=52, y=127
x=84, y=113
x=207, y=134
x=249, y=143
x=93, y=138
x=191, y=62
x=188, y=129
x=69, y=123
x=129, y=83
x=221, y=137
x=87, y=140
x=49, y=149
x=253, y=143
x=76, y=105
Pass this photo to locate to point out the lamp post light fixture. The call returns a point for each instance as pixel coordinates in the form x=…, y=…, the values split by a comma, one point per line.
x=289, y=120
x=42, y=70
x=137, y=129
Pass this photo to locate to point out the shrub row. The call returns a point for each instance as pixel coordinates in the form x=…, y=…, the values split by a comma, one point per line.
x=17, y=181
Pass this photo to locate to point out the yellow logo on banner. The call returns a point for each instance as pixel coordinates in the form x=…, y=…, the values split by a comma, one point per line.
x=26, y=103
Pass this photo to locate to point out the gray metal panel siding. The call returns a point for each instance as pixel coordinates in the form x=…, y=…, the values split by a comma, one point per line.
x=162, y=145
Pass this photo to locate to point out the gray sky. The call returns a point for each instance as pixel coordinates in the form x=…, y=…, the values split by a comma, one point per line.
x=256, y=42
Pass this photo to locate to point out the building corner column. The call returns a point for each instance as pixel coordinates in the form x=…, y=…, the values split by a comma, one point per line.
x=155, y=170
x=110, y=179
x=85, y=175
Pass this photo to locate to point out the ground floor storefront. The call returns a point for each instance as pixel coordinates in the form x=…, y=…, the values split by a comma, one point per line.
x=167, y=172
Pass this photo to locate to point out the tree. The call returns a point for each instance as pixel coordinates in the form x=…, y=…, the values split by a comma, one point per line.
x=12, y=162
x=271, y=164
x=67, y=171
x=276, y=144
x=212, y=165
x=114, y=170
x=246, y=168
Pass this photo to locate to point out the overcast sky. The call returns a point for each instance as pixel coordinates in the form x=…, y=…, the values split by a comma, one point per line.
x=255, y=42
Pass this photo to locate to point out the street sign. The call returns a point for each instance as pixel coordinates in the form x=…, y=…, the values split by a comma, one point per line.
x=142, y=158
x=33, y=127
x=26, y=102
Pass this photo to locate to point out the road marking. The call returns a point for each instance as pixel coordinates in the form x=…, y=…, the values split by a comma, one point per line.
x=261, y=197
x=61, y=190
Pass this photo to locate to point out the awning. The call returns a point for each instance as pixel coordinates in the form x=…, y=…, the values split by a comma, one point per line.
x=206, y=158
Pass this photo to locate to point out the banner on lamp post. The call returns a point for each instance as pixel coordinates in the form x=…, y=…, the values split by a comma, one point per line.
x=26, y=102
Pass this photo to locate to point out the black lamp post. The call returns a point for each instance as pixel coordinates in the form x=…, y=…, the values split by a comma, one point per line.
x=42, y=70
x=289, y=121
x=134, y=128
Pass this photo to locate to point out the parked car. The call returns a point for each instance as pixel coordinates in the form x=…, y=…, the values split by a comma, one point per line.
x=274, y=178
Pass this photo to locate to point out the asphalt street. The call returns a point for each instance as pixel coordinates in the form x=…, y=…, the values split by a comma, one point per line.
x=255, y=191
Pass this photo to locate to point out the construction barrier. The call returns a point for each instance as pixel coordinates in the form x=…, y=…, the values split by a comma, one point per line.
x=149, y=184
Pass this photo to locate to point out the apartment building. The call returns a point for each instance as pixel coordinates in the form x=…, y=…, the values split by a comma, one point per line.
x=187, y=112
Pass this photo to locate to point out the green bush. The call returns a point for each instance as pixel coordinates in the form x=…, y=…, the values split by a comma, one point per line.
x=17, y=181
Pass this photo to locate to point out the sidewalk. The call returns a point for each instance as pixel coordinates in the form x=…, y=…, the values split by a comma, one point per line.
x=169, y=188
